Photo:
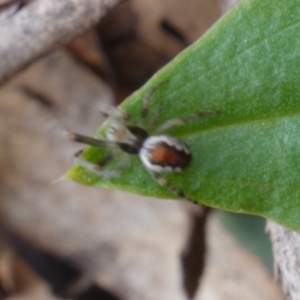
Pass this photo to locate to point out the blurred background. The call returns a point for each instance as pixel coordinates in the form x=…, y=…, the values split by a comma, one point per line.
x=60, y=240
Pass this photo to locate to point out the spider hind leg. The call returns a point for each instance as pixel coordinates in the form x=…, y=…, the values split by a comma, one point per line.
x=163, y=182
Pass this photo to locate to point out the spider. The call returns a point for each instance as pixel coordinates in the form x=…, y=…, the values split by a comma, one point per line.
x=159, y=153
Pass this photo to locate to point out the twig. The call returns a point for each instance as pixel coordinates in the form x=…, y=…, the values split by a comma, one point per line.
x=41, y=26
x=286, y=248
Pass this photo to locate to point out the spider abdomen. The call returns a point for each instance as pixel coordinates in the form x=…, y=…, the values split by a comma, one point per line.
x=165, y=154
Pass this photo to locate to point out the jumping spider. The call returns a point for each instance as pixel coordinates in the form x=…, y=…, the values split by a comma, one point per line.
x=159, y=153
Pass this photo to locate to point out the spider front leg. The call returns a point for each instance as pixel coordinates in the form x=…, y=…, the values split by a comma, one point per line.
x=96, y=167
x=180, y=121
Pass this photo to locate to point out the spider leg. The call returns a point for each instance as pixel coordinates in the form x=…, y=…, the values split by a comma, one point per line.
x=99, y=142
x=163, y=182
x=147, y=98
x=96, y=168
x=114, y=112
x=179, y=121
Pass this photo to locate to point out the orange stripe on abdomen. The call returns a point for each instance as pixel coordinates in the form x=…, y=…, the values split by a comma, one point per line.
x=166, y=155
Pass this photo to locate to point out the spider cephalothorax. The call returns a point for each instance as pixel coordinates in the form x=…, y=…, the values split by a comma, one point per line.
x=159, y=153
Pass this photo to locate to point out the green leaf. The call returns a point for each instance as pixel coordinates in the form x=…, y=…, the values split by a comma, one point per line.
x=247, y=159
